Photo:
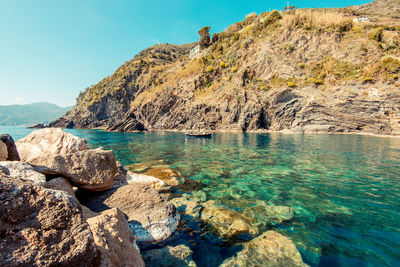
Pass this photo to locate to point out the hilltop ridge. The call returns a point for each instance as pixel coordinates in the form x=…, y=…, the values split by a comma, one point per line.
x=309, y=70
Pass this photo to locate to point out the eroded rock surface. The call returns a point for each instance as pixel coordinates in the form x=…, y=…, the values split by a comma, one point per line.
x=270, y=249
x=3, y=151
x=24, y=170
x=151, y=217
x=49, y=141
x=42, y=227
x=114, y=239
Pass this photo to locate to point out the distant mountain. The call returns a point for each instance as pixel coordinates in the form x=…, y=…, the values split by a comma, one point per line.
x=30, y=114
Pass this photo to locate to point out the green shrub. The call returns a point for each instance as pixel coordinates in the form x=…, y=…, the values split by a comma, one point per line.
x=390, y=64
x=291, y=84
x=377, y=34
x=209, y=69
x=345, y=26
x=367, y=79
x=272, y=17
x=204, y=37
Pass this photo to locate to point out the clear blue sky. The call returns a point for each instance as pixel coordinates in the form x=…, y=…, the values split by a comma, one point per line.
x=50, y=50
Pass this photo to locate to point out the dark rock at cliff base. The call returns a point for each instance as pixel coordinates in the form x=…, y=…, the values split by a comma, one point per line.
x=42, y=227
x=11, y=148
x=127, y=125
x=38, y=126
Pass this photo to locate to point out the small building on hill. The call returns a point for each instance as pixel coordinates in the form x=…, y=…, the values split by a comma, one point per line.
x=194, y=52
x=289, y=8
x=361, y=19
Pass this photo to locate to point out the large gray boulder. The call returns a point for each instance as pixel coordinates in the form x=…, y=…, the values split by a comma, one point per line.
x=49, y=141
x=88, y=169
x=151, y=217
x=11, y=148
x=42, y=227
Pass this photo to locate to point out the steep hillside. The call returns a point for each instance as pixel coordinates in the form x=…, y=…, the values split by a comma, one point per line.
x=30, y=114
x=312, y=70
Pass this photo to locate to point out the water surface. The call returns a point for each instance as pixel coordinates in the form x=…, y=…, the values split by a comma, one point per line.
x=344, y=189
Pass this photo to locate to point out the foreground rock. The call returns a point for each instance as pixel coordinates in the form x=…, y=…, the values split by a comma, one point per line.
x=114, y=239
x=11, y=148
x=178, y=256
x=23, y=170
x=49, y=141
x=3, y=151
x=270, y=249
x=89, y=169
x=151, y=217
x=226, y=222
x=271, y=214
x=42, y=227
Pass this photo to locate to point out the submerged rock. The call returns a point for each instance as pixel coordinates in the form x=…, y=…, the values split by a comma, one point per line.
x=23, y=170
x=226, y=222
x=169, y=256
x=89, y=169
x=114, y=239
x=11, y=148
x=270, y=215
x=49, y=141
x=42, y=227
x=151, y=217
x=3, y=151
x=150, y=181
x=270, y=249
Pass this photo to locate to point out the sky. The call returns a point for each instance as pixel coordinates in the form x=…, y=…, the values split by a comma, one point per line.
x=50, y=50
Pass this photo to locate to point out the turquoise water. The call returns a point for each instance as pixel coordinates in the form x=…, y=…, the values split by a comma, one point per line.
x=345, y=189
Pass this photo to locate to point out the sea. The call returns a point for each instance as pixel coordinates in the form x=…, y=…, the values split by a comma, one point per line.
x=344, y=189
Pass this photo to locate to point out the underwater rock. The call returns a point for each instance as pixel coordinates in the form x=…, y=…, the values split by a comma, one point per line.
x=270, y=249
x=151, y=217
x=177, y=256
x=271, y=215
x=226, y=222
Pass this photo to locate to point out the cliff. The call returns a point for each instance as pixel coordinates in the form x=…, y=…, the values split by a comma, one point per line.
x=312, y=70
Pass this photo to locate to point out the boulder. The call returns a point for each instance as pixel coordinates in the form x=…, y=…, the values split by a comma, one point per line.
x=120, y=177
x=24, y=170
x=42, y=227
x=227, y=223
x=64, y=184
x=3, y=151
x=270, y=214
x=61, y=183
x=270, y=249
x=92, y=170
x=169, y=256
x=11, y=148
x=150, y=181
x=151, y=217
x=114, y=239
x=49, y=141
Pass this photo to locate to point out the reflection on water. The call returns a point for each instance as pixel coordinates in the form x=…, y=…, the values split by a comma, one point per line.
x=344, y=188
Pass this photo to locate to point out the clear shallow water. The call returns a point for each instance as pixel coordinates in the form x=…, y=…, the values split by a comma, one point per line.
x=345, y=189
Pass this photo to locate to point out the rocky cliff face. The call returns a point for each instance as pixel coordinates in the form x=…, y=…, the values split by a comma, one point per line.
x=308, y=70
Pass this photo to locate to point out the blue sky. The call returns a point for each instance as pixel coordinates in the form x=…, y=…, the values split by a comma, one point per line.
x=50, y=50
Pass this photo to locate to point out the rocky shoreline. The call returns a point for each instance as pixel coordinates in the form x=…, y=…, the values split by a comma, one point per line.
x=65, y=204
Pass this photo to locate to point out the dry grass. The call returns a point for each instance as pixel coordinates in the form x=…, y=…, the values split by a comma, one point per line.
x=313, y=19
